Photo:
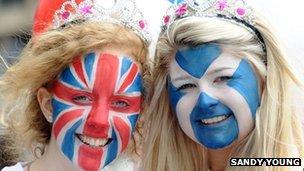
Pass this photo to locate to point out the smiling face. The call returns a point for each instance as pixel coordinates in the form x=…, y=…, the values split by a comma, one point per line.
x=96, y=103
x=214, y=95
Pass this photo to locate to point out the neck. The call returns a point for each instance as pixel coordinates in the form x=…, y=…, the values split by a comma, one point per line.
x=218, y=159
x=52, y=159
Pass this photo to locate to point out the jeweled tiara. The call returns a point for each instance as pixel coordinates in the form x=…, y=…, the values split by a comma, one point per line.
x=124, y=12
x=235, y=11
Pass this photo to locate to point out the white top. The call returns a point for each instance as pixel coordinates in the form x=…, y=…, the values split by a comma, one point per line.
x=121, y=163
x=17, y=167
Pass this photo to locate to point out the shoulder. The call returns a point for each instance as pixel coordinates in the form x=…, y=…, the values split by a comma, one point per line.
x=17, y=167
x=123, y=162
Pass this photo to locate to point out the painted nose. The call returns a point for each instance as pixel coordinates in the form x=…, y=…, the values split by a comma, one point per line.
x=98, y=121
x=206, y=103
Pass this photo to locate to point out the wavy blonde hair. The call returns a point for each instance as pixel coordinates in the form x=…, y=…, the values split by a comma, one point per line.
x=277, y=132
x=42, y=60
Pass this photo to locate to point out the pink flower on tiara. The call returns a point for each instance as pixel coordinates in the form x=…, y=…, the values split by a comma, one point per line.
x=166, y=19
x=86, y=9
x=123, y=12
x=182, y=10
x=65, y=15
x=241, y=11
x=142, y=24
x=222, y=4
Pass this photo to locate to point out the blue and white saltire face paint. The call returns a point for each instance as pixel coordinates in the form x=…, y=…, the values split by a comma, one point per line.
x=214, y=95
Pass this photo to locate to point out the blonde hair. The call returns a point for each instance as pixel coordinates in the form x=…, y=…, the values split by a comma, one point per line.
x=42, y=60
x=277, y=131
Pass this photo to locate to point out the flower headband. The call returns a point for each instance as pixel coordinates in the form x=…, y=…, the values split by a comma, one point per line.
x=234, y=11
x=65, y=12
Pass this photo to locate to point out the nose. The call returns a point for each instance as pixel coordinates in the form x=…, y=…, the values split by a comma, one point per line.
x=98, y=121
x=206, y=103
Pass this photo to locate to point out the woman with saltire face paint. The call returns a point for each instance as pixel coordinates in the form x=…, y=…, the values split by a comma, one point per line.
x=221, y=88
x=76, y=94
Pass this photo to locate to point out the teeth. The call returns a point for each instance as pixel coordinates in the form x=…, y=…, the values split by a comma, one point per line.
x=95, y=142
x=214, y=119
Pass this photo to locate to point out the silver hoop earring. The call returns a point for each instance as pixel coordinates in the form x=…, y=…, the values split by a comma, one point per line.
x=50, y=119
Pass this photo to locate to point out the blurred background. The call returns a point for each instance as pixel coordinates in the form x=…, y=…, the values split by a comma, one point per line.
x=16, y=22
x=15, y=25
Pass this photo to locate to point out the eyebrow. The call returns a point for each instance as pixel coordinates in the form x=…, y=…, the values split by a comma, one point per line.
x=183, y=77
x=135, y=93
x=218, y=70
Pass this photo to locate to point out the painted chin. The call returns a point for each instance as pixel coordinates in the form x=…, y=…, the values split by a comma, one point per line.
x=91, y=151
x=95, y=143
x=217, y=132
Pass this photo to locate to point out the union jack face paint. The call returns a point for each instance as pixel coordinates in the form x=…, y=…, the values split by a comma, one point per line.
x=96, y=103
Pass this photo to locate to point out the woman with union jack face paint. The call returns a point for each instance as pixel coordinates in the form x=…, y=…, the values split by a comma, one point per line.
x=221, y=88
x=77, y=92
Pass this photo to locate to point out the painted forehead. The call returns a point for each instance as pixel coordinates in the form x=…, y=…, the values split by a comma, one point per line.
x=93, y=69
x=190, y=58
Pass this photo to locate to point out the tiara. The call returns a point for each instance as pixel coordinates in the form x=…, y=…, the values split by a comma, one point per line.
x=123, y=12
x=235, y=11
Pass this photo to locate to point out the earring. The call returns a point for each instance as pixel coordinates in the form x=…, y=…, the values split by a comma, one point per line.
x=50, y=119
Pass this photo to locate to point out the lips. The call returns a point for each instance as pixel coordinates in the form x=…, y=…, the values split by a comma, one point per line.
x=216, y=119
x=94, y=142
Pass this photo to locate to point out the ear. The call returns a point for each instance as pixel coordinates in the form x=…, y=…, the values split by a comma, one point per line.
x=44, y=98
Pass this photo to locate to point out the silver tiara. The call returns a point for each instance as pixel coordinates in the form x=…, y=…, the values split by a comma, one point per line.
x=123, y=12
x=235, y=11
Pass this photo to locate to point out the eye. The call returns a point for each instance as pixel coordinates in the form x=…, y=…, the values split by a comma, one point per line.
x=186, y=86
x=222, y=79
x=83, y=99
x=120, y=104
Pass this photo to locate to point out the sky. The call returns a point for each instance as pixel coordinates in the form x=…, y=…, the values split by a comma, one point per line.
x=287, y=18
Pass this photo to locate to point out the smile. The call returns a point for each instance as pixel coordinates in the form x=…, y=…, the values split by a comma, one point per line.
x=215, y=120
x=93, y=142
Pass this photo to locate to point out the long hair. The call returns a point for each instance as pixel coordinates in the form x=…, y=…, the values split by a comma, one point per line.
x=44, y=57
x=277, y=132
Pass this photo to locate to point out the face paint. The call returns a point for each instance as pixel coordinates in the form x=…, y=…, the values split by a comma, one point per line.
x=96, y=104
x=214, y=95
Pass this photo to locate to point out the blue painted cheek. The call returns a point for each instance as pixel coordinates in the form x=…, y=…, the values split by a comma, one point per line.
x=196, y=60
x=217, y=135
x=58, y=107
x=133, y=120
x=113, y=146
x=69, y=141
x=112, y=150
x=246, y=83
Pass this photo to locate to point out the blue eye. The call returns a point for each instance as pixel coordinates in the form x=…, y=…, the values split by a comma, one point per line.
x=120, y=104
x=222, y=79
x=82, y=99
x=186, y=86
